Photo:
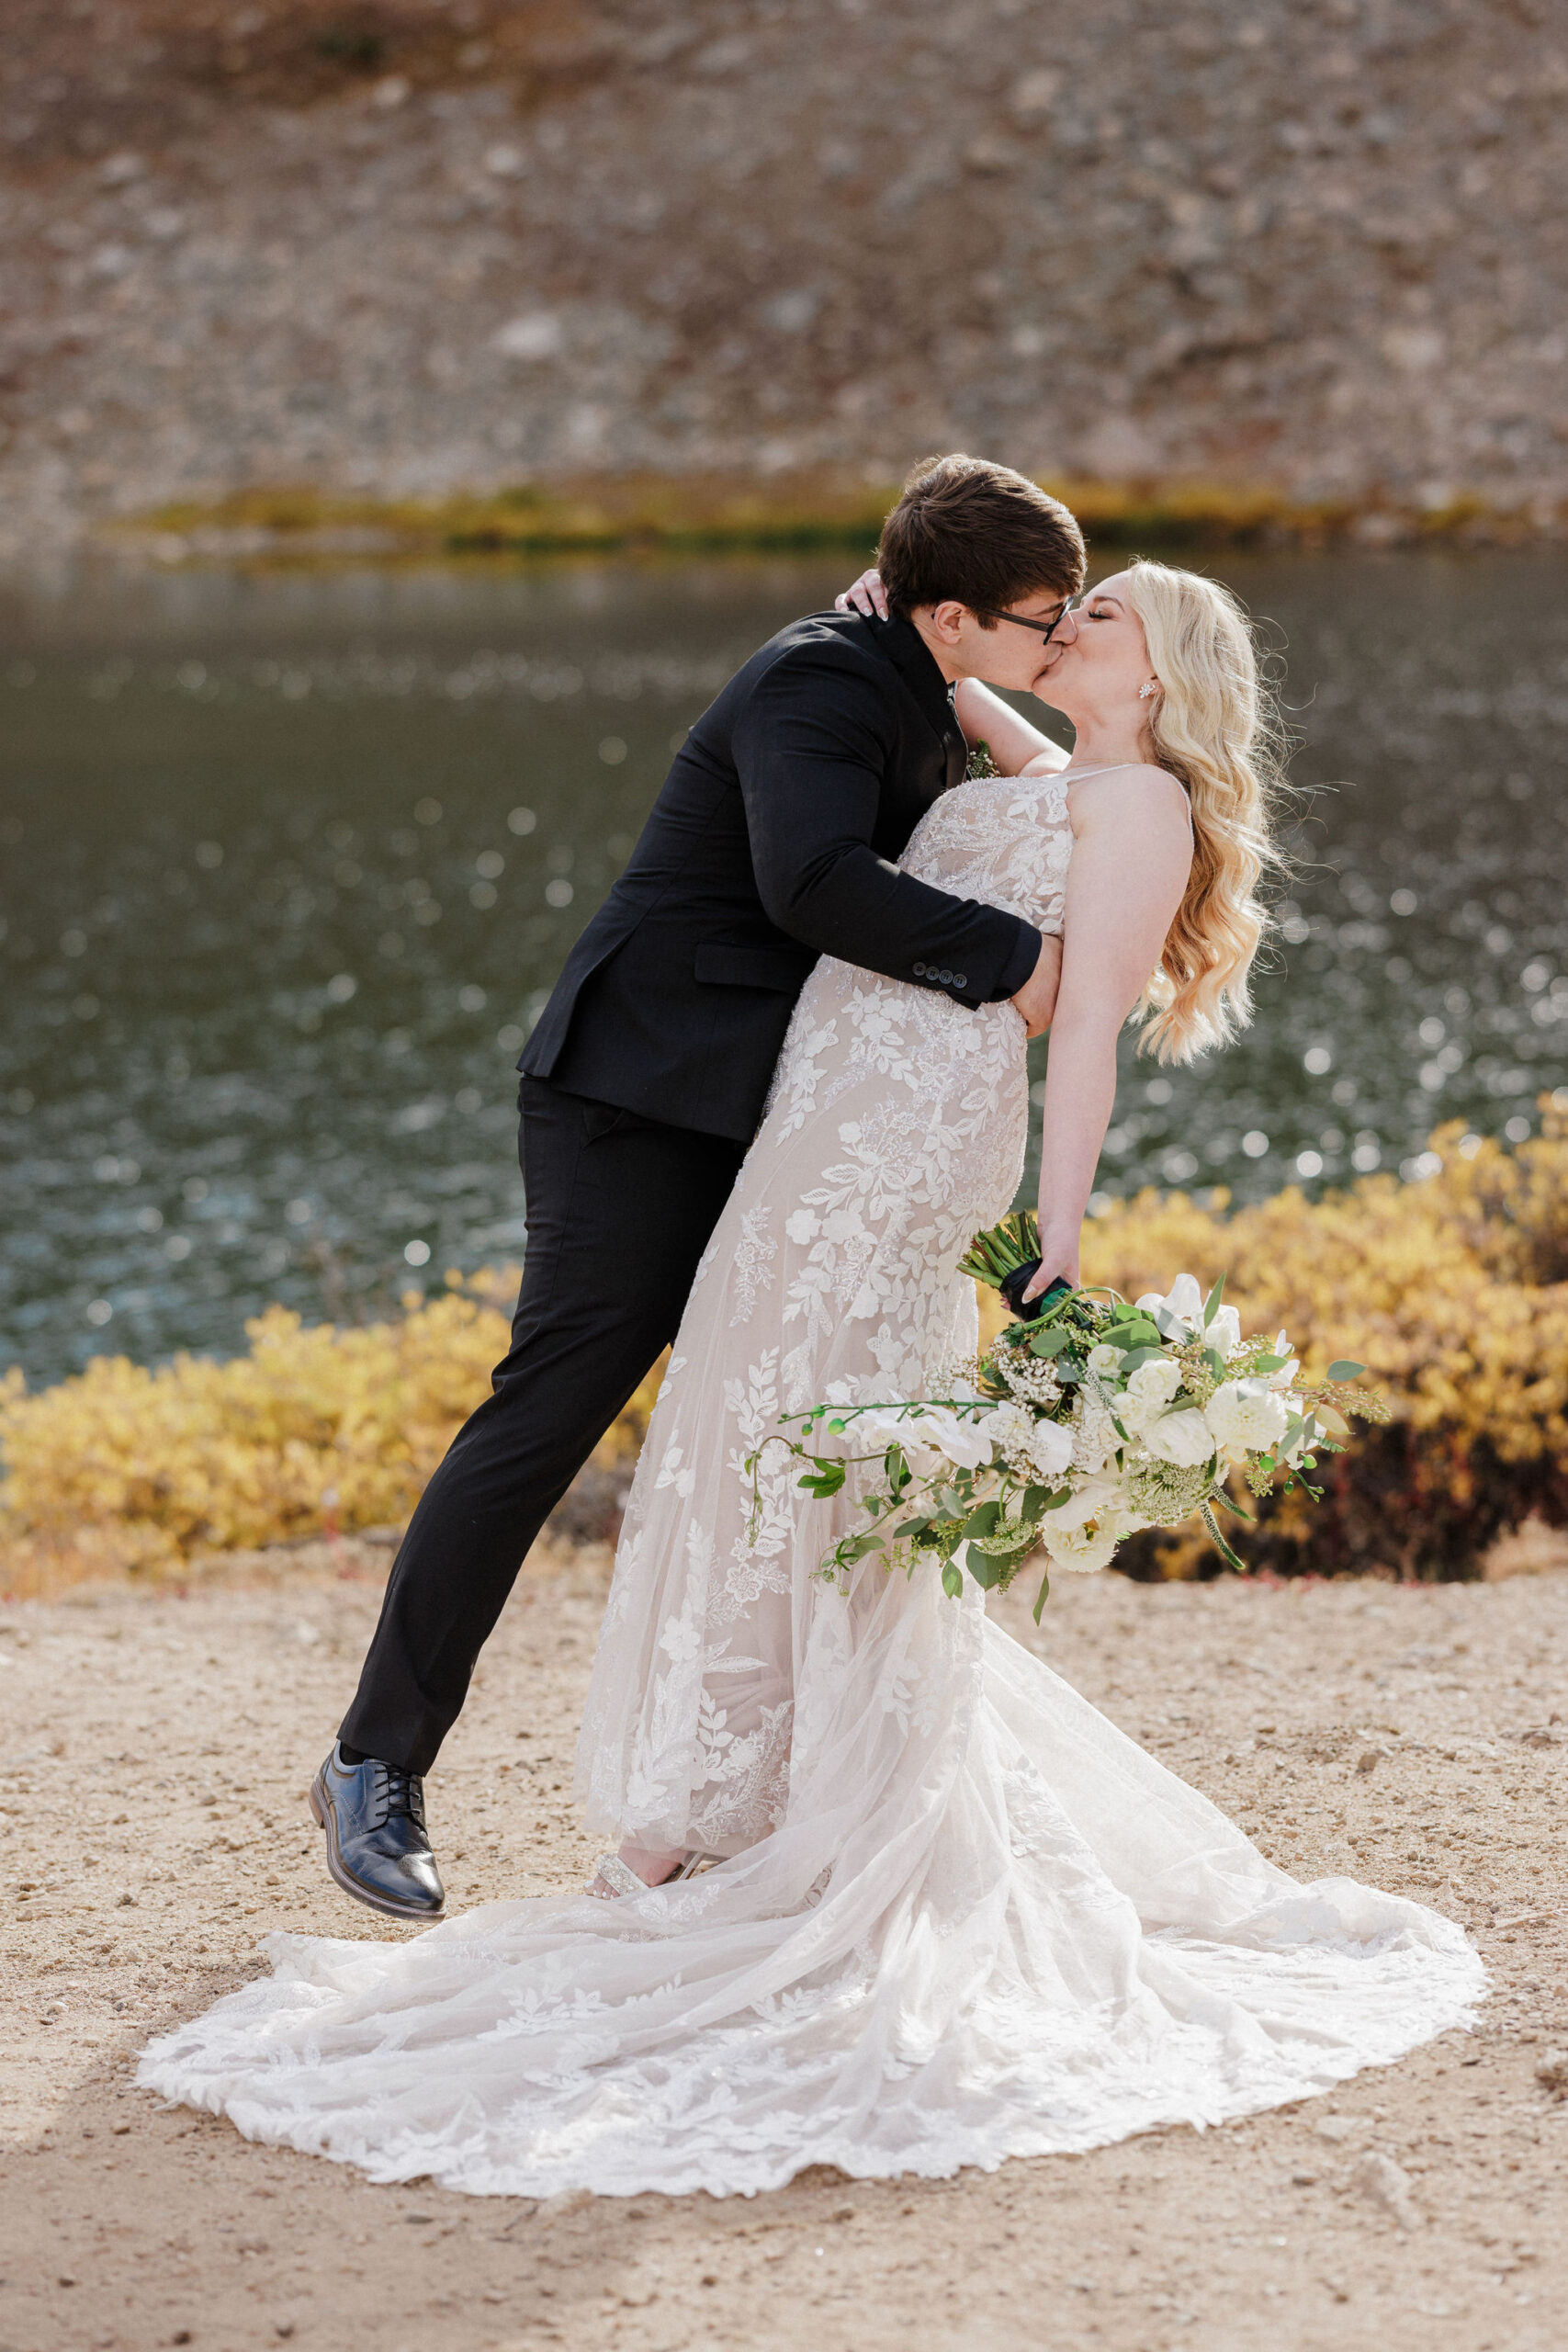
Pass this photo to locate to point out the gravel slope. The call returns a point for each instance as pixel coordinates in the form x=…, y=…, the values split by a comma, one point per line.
x=404, y=246
x=158, y=1747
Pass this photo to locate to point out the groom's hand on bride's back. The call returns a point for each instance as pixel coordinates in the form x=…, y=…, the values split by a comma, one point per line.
x=1036, y=999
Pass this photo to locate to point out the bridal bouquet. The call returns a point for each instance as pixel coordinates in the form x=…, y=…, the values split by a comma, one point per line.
x=1088, y=1419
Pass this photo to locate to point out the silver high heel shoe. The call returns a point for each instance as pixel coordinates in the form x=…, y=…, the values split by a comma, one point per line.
x=619, y=1878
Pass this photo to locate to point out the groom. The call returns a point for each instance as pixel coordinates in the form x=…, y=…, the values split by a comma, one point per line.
x=772, y=842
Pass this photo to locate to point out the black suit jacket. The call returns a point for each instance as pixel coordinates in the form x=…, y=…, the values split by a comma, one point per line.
x=771, y=842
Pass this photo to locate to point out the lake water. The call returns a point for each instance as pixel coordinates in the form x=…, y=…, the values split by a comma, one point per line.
x=291, y=860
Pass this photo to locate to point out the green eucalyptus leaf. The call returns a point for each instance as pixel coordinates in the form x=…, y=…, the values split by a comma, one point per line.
x=1344, y=1369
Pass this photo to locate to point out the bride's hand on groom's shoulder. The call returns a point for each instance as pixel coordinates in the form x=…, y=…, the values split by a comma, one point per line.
x=864, y=597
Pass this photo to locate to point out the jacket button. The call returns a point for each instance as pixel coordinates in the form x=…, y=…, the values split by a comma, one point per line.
x=959, y=980
x=920, y=971
x=944, y=979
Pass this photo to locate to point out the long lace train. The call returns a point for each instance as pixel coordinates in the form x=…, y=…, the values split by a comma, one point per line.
x=1006, y=1932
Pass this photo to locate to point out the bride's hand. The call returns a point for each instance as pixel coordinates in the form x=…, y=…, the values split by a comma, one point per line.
x=865, y=597
x=1058, y=1261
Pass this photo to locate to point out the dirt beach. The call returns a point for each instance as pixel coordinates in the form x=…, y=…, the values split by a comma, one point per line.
x=154, y=1753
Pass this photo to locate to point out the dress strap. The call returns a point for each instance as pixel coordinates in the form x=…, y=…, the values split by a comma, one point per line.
x=1070, y=775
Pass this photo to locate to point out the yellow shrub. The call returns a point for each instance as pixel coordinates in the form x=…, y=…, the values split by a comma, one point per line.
x=313, y=1428
x=1453, y=1292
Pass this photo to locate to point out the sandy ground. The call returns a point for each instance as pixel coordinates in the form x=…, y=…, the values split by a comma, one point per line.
x=156, y=1751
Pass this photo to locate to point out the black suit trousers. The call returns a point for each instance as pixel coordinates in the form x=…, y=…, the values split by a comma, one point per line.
x=620, y=1209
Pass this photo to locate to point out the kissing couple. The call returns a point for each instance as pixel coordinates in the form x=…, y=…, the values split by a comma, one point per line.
x=887, y=1894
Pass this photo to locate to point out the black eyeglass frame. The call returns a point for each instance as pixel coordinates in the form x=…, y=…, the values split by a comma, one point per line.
x=1043, y=629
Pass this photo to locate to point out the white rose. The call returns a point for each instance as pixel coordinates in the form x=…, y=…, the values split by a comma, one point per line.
x=1184, y=1438
x=1149, y=1390
x=1103, y=1359
x=1079, y=1548
x=1155, y=1381
x=1247, y=1416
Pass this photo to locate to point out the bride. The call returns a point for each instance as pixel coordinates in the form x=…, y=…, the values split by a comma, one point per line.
x=889, y=1894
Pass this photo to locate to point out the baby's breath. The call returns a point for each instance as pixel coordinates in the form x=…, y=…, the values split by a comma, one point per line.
x=1029, y=1377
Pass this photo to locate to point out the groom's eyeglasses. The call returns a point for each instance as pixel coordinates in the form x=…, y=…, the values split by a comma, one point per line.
x=1043, y=629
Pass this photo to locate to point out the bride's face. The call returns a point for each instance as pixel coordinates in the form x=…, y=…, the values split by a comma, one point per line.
x=1101, y=657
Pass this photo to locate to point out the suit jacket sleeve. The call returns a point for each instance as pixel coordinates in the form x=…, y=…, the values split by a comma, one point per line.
x=811, y=749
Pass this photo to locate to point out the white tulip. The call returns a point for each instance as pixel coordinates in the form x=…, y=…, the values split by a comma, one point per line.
x=963, y=1439
x=1183, y=1301
x=1051, y=1449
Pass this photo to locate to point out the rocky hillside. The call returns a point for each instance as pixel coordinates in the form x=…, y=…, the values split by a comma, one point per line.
x=398, y=248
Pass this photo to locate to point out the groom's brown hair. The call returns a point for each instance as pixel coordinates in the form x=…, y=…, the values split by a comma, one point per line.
x=968, y=528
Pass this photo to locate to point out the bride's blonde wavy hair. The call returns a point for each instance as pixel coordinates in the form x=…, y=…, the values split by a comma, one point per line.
x=1215, y=726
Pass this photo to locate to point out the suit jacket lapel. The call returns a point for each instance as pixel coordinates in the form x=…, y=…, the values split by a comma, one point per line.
x=905, y=648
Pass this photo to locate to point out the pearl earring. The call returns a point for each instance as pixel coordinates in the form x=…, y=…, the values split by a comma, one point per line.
x=1152, y=688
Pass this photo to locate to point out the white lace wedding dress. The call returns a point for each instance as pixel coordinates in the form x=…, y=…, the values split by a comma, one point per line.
x=962, y=1917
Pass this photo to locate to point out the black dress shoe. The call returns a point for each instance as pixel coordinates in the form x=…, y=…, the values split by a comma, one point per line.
x=377, y=1849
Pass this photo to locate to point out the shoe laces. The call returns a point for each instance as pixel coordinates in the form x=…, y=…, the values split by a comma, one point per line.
x=399, y=1792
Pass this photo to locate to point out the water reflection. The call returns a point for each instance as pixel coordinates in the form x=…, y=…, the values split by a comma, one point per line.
x=291, y=862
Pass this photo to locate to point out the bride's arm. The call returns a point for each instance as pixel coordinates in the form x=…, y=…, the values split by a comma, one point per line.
x=1131, y=852
x=1013, y=744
